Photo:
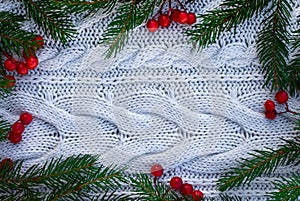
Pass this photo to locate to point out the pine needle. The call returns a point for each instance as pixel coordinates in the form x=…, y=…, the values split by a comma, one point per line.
x=51, y=18
x=262, y=162
x=130, y=15
x=287, y=189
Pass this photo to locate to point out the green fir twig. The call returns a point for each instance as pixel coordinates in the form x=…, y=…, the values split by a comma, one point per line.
x=51, y=18
x=129, y=16
x=273, y=43
x=87, y=7
x=4, y=129
x=72, y=178
x=12, y=38
x=230, y=14
x=288, y=189
x=262, y=162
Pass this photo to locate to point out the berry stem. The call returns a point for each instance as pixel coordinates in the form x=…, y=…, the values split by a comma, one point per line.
x=160, y=9
x=170, y=7
x=288, y=110
x=181, y=5
x=8, y=56
x=155, y=185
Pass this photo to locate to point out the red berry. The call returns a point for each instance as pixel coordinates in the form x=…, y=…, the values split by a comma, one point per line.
x=270, y=114
x=175, y=14
x=22, y=69
x=164, y=20
x=17, y=128
x=11, y=81
x=186, y=189
x=152, y=25
x=26, y=118
x=14, y=138
x=281, y=97
x=191, y=18
x=176, y=183
x=157, y=170
x=269, y=105
x=197, y=195
x=8, y=163
x=39, y=40
x=32, y=62
x=182, y=17
x=10, y=65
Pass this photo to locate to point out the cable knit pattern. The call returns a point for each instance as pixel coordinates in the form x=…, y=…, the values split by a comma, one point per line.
x=158, y=101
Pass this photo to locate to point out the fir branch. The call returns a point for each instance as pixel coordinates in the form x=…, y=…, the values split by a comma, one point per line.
x=90, y=7
x=4, y=129
x=11, y=19
x=273, y=43
x=4, y=89
x=130, y=15
x=145, y=189
x=73, y=178
x=230, y=15
x=51, y=18
x=288, y=189
x=12, y=37
x=293, y=69
x=262, y=162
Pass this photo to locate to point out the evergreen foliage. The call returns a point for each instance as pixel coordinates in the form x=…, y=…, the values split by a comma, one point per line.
x=130, y=15
x=288, y=189
x=4, y=129
x=45, y=14
x=74, y=178
x=263, y=162
x=273, y=40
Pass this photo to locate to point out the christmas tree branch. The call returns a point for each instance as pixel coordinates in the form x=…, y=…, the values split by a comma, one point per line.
x=51, y=18
x=288, y=189
x=145, y=189
x=273, y=43
x=130, y=15
x=262, y=162
x=293, y=68
x=79, y=6
x=12, y=37
x=4, y=129
x=215, y=22
x=72, y=178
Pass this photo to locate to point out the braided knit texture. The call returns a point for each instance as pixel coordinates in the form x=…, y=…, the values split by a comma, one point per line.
x=158, y=101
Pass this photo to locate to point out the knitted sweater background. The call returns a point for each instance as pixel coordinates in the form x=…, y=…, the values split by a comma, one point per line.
x=158, y=101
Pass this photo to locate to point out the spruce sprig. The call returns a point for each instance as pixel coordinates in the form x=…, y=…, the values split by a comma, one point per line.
x=149, y=189
x=88, y=7
x=129, y=15
x=51, y=18
x=72, y=178
x=229, y=15
x=12, y=38
x=4, y=129
x=262, y=162
x=288, y=189
x=273, y=43
x=293, y=68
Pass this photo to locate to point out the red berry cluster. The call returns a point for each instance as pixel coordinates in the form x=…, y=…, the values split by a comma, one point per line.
x=15, y=135
x=282, y=98
x=175, y=15
x=29, y=61
x=177, y=184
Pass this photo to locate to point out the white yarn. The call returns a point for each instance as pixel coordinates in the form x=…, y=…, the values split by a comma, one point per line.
x=157, y=101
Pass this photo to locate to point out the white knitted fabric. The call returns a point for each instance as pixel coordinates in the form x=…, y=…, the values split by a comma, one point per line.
x=158, y=101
